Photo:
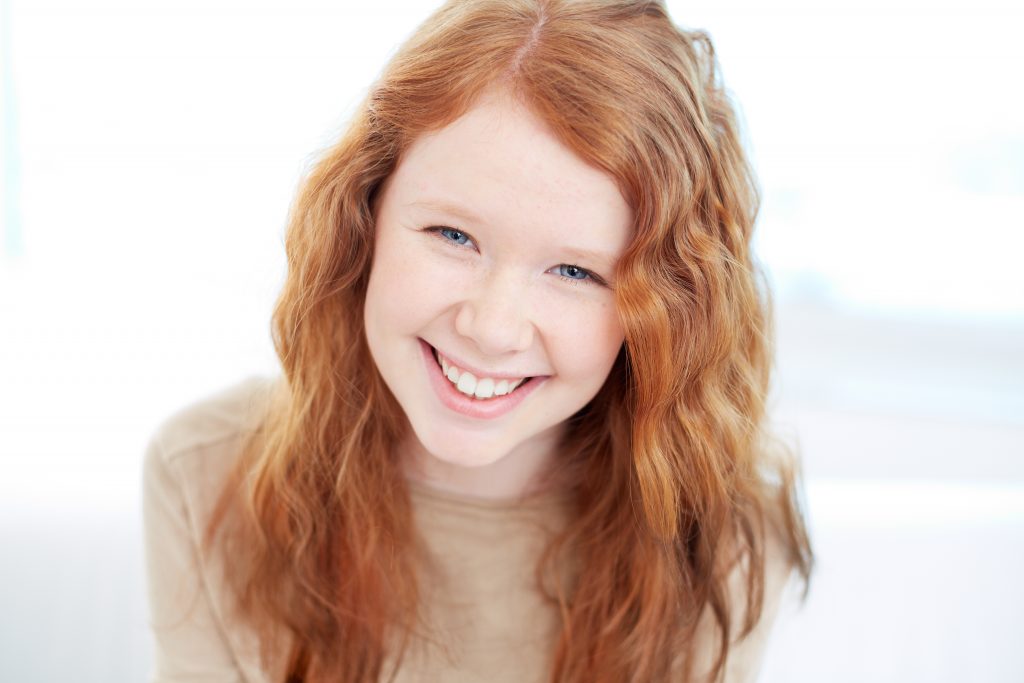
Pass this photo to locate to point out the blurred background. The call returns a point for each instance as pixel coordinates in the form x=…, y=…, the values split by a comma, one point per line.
x=150, y=150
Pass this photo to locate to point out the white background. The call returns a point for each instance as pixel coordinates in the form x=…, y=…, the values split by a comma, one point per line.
x=149, y=154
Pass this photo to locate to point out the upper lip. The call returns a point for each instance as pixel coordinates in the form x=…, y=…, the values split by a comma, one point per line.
x=475, y=371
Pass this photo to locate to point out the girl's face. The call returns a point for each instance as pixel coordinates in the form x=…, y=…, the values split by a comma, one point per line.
x=495, y=248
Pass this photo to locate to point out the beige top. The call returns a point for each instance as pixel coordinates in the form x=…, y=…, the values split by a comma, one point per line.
x=497, y=627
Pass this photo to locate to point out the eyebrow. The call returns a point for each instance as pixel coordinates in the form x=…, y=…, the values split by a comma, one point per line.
x=586, y=255
x=449, y=208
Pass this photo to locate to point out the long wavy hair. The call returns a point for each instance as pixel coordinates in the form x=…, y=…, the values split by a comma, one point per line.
x=675, y=476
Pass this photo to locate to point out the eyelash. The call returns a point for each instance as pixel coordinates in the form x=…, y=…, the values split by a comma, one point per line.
x=591, y=278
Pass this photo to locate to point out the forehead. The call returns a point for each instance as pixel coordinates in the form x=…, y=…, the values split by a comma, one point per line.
x=501, y=167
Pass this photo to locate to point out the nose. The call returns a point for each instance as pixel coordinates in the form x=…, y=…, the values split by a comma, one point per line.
x=495, y=316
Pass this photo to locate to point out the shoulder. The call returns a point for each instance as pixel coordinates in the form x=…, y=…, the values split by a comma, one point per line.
x=192, y=450
x=226, y=415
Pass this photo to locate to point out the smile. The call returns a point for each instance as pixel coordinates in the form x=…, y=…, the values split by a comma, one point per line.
x=481, y=388
x=479, y=398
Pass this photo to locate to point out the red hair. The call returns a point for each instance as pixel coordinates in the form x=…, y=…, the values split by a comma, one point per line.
x=673, y=470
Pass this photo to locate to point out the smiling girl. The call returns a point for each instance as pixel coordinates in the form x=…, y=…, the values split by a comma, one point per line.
x=520, y=432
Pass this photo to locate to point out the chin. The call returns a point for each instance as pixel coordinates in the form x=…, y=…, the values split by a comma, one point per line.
x=461, y=452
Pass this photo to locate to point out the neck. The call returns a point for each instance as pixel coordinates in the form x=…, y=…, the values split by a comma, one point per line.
x=517, y=474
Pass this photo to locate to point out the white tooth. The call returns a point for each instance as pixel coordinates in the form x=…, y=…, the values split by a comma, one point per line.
x=484, y=388
x=452, y=373
x=501, y=388
x=467, y=383
x=512, y=387
x=444, y=365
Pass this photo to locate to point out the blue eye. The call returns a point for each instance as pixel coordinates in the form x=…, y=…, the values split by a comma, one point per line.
x=453, y=235
x=573, y=274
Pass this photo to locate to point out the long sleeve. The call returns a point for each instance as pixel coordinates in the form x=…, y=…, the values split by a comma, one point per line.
x=190, y=640
x=197, y=635
x=746, y=656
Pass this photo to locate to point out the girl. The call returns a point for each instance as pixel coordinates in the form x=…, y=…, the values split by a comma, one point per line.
x=520, y=432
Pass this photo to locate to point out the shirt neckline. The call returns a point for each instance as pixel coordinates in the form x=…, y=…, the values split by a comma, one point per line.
x=534, y=501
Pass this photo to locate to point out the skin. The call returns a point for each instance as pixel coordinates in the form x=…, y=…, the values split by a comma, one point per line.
x=489, y=278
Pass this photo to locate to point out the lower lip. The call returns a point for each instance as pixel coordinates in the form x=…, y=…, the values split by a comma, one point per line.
x=485, y=409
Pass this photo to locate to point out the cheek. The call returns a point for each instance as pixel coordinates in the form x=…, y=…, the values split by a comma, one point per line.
x=587, y=338
x=408, y=284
